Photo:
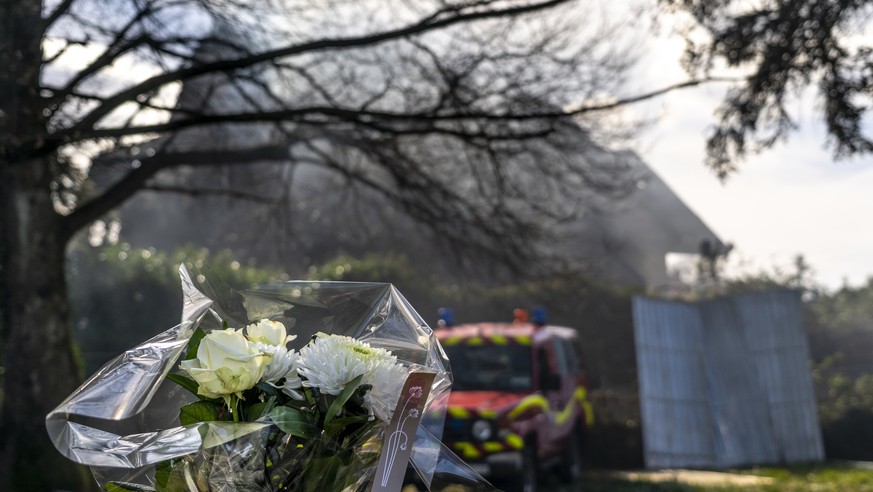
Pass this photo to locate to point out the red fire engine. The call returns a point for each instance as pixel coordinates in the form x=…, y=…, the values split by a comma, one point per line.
x=519, y=401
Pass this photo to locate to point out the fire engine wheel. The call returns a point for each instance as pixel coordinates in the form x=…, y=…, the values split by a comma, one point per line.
x=527, y=479
x=570, y=469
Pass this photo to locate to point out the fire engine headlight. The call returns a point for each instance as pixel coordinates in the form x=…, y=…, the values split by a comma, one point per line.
x=482, y=430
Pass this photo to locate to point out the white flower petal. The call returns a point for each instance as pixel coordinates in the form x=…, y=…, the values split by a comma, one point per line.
x=268, y=332
x=227, y=363
x=330, y=362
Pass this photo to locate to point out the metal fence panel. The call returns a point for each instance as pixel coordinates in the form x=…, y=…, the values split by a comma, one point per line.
x=672, y=388
x=742, y=431
x=726, y=382
x=773, y=323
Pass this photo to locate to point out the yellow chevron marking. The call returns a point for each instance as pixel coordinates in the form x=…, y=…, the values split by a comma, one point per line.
x=475, y=341
x=589, y=414
x=527, y=403
x=451, y=341
x=587, y=409
x=514, y=441
x=566, y=413
x=467, y=450
x=561, y=416
x=488, y=414
x=492, y=446
x=522, y=340
x=499, y=340
x=459, y=412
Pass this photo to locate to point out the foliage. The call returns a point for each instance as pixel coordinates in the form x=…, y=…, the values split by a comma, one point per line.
x=123, y=295
x=840, y=328
x=847, y=310
x=845, y=407
x=390, y=267
x=841, y=392
x=781, y=46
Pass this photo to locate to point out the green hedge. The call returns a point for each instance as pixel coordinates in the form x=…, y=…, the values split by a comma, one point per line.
x=122, y=296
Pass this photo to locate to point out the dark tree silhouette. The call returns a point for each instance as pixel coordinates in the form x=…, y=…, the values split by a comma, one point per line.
x=783, y=46
x=421, y=102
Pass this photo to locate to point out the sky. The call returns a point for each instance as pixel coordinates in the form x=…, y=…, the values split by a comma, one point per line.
x=793, y=199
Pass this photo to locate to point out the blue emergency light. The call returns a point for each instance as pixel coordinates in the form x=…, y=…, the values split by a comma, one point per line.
x=447, y=317
x=538, y=316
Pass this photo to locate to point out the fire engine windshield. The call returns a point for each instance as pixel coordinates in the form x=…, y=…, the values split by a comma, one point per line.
x=490, y=367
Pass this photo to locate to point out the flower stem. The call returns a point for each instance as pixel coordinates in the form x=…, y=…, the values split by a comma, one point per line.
x=234, y=408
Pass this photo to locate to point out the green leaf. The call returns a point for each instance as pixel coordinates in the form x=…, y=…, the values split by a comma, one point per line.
x=125, y=486
x=294, y=422
x=321, y=473
x=337, y=425
x=194, y=343
x=353, y=439
x=199, y=411
x=163, y=470
x=185, y=382
x=268, y=389
x=257, y=410
x=307, y=392
x=341, y=399
x=170, y=476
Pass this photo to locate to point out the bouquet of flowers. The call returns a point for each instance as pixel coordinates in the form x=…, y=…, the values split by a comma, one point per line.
x=301, y=386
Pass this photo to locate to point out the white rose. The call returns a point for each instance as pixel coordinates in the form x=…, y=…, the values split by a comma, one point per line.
x=226, y=364
x=269, y=332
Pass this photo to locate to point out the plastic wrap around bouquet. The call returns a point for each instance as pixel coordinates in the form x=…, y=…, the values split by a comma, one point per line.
x=299, y=386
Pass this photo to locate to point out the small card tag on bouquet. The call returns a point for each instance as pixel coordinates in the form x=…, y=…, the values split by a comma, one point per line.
x=400, y=433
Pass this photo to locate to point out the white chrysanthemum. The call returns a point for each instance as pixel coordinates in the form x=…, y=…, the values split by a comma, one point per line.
x=330, y=362
x=269, y=332
x=387, y=381
x=282, y=364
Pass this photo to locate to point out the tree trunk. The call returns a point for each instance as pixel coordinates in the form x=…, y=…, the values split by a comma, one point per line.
x=38, y=355
x=36, y=350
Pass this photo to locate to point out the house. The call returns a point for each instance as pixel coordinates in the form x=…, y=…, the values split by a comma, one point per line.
x=628, y=239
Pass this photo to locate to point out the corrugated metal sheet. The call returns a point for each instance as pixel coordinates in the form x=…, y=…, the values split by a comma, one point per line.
x=673, y=398
x=773, y=324
x=726, y=382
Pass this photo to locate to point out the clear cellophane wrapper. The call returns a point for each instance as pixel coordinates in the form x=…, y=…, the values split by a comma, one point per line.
x=123, y=422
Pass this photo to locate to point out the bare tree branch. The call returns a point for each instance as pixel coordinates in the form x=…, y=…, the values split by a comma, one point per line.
x=60, y=10
x=200, y=191
x=113, y=51
x=439, y=19
x=590, y=108
x=423, y=122
x=136, y=179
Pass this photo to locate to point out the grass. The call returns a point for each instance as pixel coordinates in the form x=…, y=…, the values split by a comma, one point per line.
x=830, y=477
x=827, y=477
